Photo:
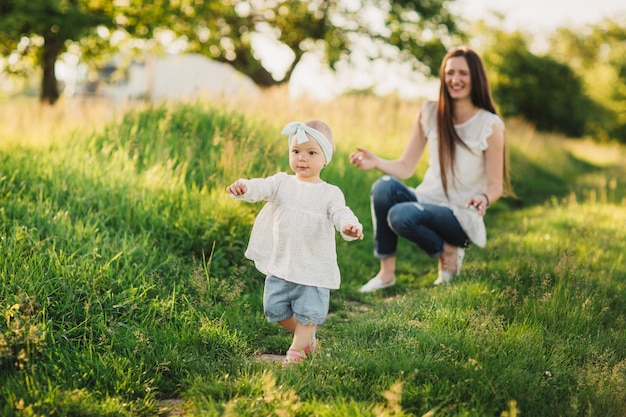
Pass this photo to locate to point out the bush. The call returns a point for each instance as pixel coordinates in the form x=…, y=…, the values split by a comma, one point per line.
x=543, y=91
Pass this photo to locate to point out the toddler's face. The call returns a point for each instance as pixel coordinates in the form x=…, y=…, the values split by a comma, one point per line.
x=306, y=160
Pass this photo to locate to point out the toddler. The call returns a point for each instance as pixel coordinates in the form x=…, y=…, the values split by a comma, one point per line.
x=293, y=237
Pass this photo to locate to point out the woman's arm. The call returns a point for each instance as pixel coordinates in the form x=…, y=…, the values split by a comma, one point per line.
x=494, y=165
x=494, y=161
x=403, y=167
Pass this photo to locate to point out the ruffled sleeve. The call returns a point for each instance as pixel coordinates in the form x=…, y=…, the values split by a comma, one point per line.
x=429, y=118
x=487, y=128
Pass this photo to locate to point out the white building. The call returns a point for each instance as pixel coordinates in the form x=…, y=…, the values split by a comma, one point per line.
x=186, y=76
x=170, y=77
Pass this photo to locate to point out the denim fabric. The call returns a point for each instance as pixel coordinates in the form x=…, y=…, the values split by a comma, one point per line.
x=396, y=212
x=283, y=299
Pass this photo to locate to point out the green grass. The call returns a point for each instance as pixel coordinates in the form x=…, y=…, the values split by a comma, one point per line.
x=124, y=290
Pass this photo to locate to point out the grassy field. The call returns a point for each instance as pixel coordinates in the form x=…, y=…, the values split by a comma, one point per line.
x=124, y=290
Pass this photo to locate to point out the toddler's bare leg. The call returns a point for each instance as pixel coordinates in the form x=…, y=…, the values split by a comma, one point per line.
x=302, y=336
x=289, y=324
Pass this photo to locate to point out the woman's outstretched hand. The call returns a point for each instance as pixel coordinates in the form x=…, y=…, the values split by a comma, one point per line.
x=364, y=159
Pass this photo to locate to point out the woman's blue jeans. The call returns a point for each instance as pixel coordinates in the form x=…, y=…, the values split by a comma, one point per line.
x=396, y=212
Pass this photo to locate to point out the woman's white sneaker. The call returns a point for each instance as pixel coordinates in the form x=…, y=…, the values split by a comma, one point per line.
x=376, y=284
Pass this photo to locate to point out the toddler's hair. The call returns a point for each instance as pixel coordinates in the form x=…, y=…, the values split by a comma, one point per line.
x=323, y=128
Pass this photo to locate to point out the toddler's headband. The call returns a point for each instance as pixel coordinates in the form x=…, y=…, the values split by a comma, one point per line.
x=300, y=131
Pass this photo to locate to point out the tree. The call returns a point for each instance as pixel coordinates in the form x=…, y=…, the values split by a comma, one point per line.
x=542, y=90
x=597, y=53
x=416, y=31
x=44, y=27
x=409, y=31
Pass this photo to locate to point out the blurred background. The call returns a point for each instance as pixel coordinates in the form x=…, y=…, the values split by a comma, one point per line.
x=559, y=66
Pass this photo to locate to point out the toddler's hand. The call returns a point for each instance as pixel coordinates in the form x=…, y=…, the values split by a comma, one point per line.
x=352, y=231
x=237, y=188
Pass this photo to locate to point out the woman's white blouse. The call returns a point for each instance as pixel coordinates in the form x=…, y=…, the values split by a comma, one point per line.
x=293, y=236
x=470, y=177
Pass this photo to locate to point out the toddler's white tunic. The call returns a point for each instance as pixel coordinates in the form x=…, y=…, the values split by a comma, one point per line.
x=293, y=236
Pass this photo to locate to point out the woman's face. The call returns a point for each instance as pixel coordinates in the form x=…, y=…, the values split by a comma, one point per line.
x=458, y=79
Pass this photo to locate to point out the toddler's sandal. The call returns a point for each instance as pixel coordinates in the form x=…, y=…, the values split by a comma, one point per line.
x=315, y=345
x=293, y=357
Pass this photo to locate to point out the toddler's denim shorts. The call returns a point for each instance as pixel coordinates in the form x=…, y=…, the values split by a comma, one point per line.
x=282, y=299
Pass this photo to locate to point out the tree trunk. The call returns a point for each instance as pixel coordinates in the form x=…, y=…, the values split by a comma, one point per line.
x=49, y=86
x=247, y=64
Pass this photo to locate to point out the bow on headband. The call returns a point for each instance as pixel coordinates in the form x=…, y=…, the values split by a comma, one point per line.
x=300, y=131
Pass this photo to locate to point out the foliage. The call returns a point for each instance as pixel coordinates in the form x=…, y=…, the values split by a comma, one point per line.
x=416, y=32
x=597, y=53
x=22, y=335
x=121, y=249
x=225, y=31
x=540, y=89
x=575, y=88
x=43, y=28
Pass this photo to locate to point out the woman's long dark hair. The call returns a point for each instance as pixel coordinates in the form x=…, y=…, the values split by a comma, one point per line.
x=481, y=97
